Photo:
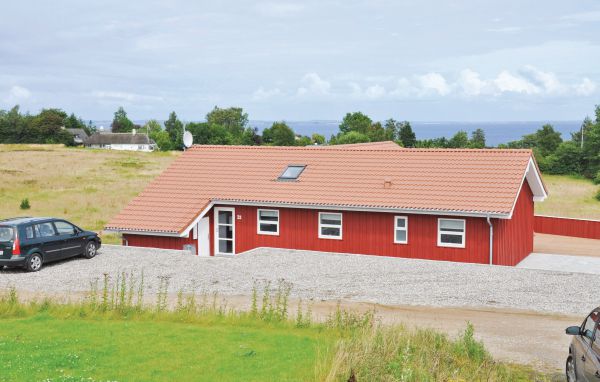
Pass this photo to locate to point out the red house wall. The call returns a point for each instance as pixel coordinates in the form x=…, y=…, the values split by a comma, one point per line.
x=588, y=229
x=163, y=242
x=373, y=234
x=513, y=238
x=362, y=233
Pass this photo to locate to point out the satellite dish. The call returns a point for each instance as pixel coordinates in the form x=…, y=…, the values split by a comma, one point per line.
x=188, y=139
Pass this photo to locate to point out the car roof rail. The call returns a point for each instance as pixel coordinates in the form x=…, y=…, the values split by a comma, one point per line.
x=16, y=218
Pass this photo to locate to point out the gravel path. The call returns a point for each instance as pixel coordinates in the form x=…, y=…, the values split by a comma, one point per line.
x=327, y=276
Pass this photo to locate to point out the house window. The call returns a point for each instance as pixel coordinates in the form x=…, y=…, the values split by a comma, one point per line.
x=268, y=222
x=451, y=233
x=401, y=230
x=330, y=225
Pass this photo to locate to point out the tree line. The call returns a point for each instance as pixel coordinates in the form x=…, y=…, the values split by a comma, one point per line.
x=579, y=155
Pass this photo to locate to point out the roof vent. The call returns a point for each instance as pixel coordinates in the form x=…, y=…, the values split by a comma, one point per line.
x=292, y=172
x=387, y=182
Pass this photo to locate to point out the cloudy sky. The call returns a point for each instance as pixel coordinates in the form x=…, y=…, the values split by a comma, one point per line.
x=461, y=60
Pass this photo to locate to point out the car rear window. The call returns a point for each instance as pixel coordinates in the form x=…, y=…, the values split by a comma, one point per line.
x=6, y=233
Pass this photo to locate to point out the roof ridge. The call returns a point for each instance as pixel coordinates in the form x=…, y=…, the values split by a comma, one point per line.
x=346, y=148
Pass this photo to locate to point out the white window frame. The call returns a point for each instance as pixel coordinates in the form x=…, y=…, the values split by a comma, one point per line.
x=396, y=228
x=216, y=230
x=258, y=221
x=321, y=236
x=463, y=234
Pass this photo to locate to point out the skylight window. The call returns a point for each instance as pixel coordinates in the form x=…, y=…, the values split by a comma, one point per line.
x=292, y=172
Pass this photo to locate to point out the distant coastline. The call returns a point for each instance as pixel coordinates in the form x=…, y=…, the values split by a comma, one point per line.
x=496, y=132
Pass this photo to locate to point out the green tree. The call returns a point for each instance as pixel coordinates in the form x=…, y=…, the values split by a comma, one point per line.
x=391, y=129
x=566, y=159
x=48, y=125
x=233, y=119
x=406, y=135
x=591, y=147
x=318, y=139
x=376, y=132
x=350, y=137
x=357, y=122
x=120, y=123
x=279, y=134
x=304, y=141
x=174, y=127
x=547, y=139
x=477, y=139
x=250, y=137
x=205, y=133
x=459, y=140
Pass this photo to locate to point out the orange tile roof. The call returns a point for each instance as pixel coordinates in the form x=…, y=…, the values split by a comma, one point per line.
x=460, y=181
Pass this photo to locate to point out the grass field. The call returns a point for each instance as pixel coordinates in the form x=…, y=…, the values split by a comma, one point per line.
x=571, y=197
x=85, y=186
x=111, y=337
x=89, y=187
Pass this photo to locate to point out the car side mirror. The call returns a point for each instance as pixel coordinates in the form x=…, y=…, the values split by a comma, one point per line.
x=573, y=331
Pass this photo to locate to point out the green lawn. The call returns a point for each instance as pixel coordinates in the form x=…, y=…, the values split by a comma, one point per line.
x=43, y=347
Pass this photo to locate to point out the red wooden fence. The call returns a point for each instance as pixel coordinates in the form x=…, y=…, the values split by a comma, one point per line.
x=589, y=229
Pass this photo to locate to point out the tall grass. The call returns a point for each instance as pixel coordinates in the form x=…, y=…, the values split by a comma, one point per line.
x=365, y=349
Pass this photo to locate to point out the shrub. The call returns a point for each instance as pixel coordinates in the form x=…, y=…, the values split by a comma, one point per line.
x=597, y=178
x=598, y=195
x=25, y=204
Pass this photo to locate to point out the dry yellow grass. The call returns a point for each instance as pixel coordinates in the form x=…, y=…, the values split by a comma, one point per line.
x=571, y=197
x=87, y=187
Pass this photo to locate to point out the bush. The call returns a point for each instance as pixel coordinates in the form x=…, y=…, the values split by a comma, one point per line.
x=598, y=195
x=25, y=204
x=597, y=178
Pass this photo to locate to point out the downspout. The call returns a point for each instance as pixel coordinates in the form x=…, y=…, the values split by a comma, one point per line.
x=491, y=240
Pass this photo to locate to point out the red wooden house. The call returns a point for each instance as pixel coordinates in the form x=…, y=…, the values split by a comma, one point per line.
x=377, y=199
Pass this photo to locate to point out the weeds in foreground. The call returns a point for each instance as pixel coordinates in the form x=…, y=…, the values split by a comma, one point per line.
x=365, y=350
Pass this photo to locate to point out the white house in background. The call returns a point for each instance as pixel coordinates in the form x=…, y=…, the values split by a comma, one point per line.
x=121, y=141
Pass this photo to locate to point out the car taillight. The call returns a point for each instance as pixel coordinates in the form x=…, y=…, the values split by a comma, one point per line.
x=16, y=250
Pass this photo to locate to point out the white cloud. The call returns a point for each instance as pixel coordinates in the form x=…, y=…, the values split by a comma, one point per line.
x=471, y=84
x=277, y=9
x=505, y=29
x=262, y=94
x=507, y=82
x=403, y=88
x=124, y=96
x=313, y=83
x=586, y=87
x=583, y=16
x=545, y=80
x=375, y=91
x=434, y=82
x=17, y=94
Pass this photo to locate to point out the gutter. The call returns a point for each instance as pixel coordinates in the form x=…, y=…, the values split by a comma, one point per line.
x=491, y=240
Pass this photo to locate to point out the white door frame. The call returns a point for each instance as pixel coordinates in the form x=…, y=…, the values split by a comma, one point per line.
x=216, y=233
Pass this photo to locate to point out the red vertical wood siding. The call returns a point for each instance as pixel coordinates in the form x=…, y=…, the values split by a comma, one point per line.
x=513, y=238
x=163, y=242
x=588, y=229
x=362, y=233
x=372, y=233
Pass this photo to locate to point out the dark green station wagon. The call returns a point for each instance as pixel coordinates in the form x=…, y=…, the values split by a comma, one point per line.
x=31, y=242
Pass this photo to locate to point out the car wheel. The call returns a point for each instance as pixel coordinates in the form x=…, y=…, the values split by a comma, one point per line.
x=570, y=370
x=34, y=263
x=90, y=250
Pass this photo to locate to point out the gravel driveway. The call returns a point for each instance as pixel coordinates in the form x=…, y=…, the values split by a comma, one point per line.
x=327, y=276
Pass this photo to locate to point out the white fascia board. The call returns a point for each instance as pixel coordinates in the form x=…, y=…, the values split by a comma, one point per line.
x=186, y=231
x=533, y=178
x=143, y=233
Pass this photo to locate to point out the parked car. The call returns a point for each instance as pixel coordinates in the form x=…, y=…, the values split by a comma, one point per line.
x=31, y=242
x=583, y=363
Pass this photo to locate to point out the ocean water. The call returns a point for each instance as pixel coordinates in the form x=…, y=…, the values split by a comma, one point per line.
x=495, y=132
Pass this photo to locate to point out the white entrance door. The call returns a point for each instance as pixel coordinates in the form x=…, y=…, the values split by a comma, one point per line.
x=224, y=231
x=204, y=237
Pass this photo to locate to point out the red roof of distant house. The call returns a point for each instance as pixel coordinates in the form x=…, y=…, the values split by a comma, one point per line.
x=435, y=181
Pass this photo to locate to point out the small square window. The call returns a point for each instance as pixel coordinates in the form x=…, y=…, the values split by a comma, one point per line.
x=292, y=172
